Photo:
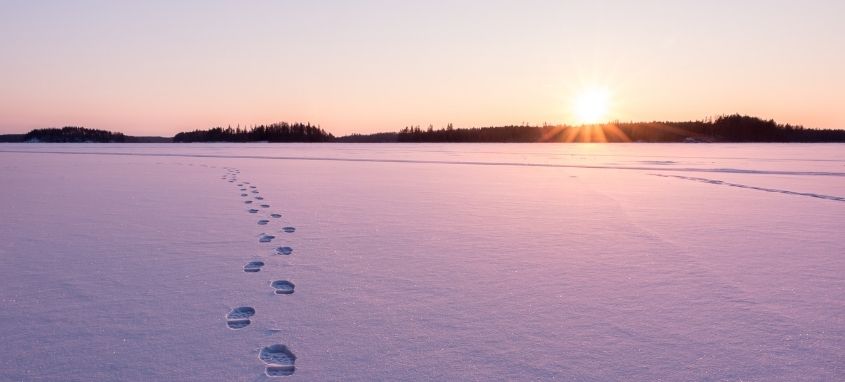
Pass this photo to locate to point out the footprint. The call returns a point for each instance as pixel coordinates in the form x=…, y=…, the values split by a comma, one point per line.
x=241, y=312
x=276, y=215
x=279, y=360
x=238, y=318
x=252, y=210
x=253, y=266
x=289, y=229
x=259, y=198
x=282, y=287
x=252, y=187
x=244, y=195
x=242, y=189
x=265, y=238
x=247, y=201
x=265, y=206
x=263, y=222
x=284, y=250
x=254, y=191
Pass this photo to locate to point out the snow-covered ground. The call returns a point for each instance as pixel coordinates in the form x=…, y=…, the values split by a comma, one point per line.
x=443, y=262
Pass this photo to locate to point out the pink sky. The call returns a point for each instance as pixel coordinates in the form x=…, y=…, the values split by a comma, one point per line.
x=157, y=68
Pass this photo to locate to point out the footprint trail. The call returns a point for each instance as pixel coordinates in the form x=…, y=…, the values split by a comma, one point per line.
x=278, y=359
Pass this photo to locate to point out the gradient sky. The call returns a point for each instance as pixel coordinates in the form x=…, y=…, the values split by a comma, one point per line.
x=159, y=67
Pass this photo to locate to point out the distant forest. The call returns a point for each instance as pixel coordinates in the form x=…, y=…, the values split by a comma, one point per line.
x=76, y=134
x=72, y=134
x=276, y=132
x=369, y=138
x=729, y=128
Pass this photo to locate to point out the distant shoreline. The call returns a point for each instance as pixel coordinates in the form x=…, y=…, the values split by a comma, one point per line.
x=725, y=129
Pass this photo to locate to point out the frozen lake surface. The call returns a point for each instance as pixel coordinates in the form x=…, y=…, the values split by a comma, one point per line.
x=443, y=262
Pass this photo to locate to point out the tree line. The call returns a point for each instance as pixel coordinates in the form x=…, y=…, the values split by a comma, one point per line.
x=72, y=134
x=76, y=134
x=276, y=132
x=729, y=128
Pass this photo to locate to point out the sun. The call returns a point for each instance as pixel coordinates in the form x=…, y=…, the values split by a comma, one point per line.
x=591, y=105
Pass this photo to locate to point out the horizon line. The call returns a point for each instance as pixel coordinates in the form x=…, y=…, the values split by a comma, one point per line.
x=708, y=119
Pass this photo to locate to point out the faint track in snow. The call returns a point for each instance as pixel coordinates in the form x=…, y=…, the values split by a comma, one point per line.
x=470, y=163
x=738, y=185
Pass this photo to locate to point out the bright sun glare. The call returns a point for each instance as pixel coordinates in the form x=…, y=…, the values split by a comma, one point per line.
x=591, y=105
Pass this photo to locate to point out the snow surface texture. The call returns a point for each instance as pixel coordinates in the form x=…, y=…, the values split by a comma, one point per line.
x=438, y=262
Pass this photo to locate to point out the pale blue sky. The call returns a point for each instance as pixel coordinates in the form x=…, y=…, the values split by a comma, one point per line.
x=158, y=67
